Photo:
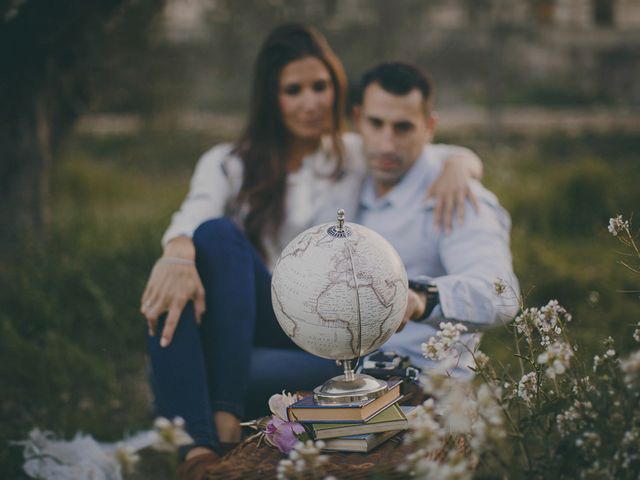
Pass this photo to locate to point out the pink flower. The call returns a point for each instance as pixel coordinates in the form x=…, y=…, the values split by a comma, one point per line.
x=283, y=434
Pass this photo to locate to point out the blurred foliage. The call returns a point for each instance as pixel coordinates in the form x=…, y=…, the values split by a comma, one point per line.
x=555, y=93
x=561, y=190
x=71, y=335
x=72, y=338
x=478, y=56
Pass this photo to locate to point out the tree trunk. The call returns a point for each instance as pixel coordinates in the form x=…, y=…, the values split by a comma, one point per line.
x=24, y=196
x=48, y=51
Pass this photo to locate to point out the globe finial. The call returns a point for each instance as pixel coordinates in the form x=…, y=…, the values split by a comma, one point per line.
x=340, y=229
x=340, y=220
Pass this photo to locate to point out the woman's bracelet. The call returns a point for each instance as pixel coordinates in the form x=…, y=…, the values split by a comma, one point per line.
x=176, y=261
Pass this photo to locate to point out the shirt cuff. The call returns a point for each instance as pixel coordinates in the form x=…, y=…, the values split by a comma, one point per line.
x=175, y=233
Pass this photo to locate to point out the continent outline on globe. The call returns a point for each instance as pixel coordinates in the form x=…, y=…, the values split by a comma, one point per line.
x=339, y=297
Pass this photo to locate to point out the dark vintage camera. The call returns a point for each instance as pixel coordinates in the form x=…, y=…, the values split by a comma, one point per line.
x=385, y=365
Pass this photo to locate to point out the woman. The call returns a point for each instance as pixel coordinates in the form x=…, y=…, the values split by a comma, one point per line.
x=290, y=169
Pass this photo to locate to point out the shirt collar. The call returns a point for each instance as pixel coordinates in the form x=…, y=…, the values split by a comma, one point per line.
x=322, y=161
x=411, y=188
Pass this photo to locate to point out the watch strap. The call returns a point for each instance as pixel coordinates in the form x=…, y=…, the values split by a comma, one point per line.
x=431, y=291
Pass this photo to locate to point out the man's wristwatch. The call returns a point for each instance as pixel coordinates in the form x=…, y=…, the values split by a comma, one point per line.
x=422, y=284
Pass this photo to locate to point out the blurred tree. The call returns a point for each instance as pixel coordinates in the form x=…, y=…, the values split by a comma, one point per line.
x=49, y=54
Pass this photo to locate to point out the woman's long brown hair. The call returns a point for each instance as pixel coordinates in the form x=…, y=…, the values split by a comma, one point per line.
x=263, y=145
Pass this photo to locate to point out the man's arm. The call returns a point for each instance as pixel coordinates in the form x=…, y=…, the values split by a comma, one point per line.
x=475, y=255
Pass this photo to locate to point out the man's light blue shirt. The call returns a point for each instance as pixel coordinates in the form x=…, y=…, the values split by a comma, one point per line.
x=463, y=264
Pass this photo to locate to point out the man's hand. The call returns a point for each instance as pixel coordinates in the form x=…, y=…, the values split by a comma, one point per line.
x=452, y=188
x=170, y=286
x=416, y=306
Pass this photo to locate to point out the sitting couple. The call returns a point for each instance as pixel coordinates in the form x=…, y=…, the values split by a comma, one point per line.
x=219, y=352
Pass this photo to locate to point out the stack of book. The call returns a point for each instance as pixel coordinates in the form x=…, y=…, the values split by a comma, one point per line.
x=355, y=427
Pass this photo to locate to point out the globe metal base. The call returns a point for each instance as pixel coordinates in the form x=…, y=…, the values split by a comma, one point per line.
x=349, y=387
x=339, y=390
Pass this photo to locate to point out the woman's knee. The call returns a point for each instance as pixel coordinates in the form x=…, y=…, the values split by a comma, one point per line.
x=215, y=231
x=218, y=240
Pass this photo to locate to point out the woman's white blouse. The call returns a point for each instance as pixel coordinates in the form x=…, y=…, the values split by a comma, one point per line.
x=312, y=196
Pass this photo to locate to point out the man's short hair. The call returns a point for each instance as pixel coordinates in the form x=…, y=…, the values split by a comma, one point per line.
x=399, y=78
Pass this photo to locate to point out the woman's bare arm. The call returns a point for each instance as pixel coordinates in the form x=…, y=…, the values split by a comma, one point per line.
x=173, y=282
x=452, y=187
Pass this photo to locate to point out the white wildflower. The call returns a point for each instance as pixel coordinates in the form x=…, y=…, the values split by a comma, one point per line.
x=528, y=387
x=304, y=460
x=499, y=286
x=127, y=457
x=629, y=450
x=557, y=358
x=524, y=321
x=161, y=423
x=607, y=357
x=170, y=434
x=480, y=360
x=439, y=346
x=636, y=333
x=425, y=431
x=617, y=224
x=575, y=417
x=597, y=361
x=630, y=366
x=285, y=469
x=447, y=470
x=582, y=383
x=458, y=409
x=589, y=442
x=488, y=429
x=548, y=321
x=567, y=421
x=510, y=391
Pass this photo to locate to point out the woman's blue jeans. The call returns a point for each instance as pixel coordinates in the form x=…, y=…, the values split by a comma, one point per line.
x=239, y=355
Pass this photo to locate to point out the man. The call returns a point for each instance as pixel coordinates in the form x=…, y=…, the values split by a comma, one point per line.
x=451, y=274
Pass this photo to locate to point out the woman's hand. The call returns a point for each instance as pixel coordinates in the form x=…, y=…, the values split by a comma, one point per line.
x=174, y=281
x=452, y=187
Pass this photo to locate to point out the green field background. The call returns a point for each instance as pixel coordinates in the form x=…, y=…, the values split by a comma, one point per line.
x=72, y=338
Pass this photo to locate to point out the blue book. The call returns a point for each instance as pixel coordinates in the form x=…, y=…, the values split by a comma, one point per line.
x=307, y=410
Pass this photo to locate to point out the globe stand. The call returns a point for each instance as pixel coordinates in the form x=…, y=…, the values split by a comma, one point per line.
x=349, y=387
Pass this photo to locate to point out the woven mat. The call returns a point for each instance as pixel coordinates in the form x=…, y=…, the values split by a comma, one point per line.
x=249, y=461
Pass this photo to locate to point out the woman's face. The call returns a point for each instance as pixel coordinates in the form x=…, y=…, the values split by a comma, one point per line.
x=306, y=98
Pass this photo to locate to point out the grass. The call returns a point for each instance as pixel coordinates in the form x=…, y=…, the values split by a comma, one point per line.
x=71, y=334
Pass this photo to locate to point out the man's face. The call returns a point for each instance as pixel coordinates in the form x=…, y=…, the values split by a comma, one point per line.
x=395, y=129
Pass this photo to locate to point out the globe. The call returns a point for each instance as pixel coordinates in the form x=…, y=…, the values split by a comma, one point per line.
x=339, y=291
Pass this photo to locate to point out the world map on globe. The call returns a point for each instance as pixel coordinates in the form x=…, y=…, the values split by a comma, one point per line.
x=339, y=294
